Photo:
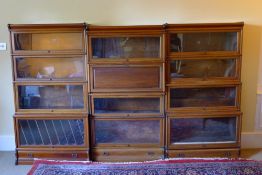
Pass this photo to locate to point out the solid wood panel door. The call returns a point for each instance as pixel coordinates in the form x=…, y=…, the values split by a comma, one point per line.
x=126, y=78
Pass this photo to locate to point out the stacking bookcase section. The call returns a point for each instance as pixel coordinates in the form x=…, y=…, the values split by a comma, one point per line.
x=186, y=40
x=199, y=98
x=127, y=84
x=131, y=132
x=203, y=70
x=47, y=39
x=203, y=90
x=206, y=130
x=203, y=135
x=120, y=44
x=118, y=137
x=51, y=137
x=50, y=87
x=52, y=97
x=128, y=77
x=56, y=68
x=121, y=104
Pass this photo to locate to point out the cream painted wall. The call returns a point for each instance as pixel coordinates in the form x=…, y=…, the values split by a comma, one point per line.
x=136, y=12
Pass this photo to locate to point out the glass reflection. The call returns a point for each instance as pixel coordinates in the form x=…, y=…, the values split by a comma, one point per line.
x=127, y=132
x=202, y=97
x=51, y=97
x=184, y=130
x=204, y=42
x=126, y=47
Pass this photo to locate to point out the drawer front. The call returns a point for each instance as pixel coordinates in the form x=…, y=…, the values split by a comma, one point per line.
x=27, y=157
x=127, y=155
x=127, y=104
x=229, y=153
x=128, y=132
x=203, y=132
x=40, y=132
x=127, y=78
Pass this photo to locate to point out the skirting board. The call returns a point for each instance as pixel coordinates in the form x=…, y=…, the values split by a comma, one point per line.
x=251, y=140
x=248, y=140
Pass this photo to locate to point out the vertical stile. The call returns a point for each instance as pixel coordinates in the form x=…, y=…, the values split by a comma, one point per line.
x=23, y=133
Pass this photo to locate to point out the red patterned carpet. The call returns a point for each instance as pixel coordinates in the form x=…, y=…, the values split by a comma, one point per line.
x=160, y=167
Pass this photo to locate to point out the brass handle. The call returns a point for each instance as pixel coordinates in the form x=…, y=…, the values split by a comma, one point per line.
x=180, y=155
x=150, y=153
x=30, y=155
x=227, y=154
x=74, y=155
x=106, y=153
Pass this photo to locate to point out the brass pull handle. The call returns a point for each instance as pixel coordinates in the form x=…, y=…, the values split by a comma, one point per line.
x=227, y=154
x=74, y=155
x=30, y=155
x=180, y=155
x=106, y=153
x=150, y=153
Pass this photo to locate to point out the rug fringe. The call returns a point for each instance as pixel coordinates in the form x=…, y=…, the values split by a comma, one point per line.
x=150, y=161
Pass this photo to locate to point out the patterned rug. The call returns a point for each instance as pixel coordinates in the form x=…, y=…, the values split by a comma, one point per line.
x=160, y=167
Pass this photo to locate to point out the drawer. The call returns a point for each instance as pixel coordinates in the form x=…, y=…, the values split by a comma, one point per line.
x=127, y=155
x=127, y=104
x=51, y=132
x=131, y=132
x=126, y=78
x=203, y=131
x=223, y=153
x=27, y=157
